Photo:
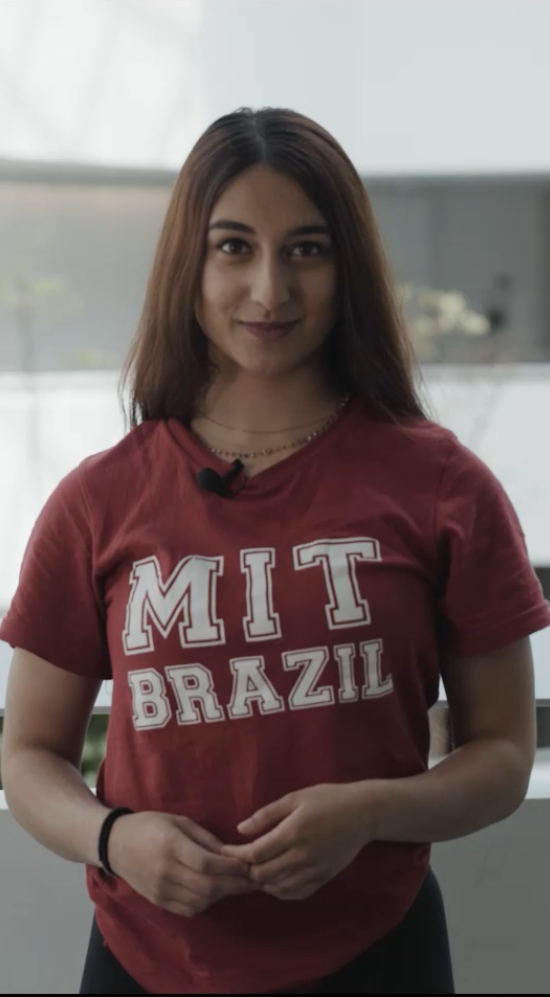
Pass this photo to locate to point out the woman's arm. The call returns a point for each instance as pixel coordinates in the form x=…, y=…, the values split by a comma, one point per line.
x=492, y=706
x=306, y=838
x=47, y=715
x=169, y=860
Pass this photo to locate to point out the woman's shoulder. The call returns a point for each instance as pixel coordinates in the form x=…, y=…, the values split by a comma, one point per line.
x=418, y=449
x=416, y=436
x=132, y=449
x=129, y=462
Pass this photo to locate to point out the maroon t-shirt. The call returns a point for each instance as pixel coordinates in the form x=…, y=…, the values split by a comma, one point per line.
x=289, y=636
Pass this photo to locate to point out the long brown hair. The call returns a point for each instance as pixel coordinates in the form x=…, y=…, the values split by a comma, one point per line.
x=168, y=370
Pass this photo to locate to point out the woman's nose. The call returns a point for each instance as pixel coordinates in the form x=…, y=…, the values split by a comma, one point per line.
x=270, y=285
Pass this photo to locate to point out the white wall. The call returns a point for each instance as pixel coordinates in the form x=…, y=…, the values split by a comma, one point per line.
x=408, y=86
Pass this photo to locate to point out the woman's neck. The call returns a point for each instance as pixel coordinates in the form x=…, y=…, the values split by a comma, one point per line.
x=261, y=420
x=254, y=407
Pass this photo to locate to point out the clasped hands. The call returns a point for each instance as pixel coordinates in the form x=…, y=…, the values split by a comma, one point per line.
x=303, y=840
x=295, y=846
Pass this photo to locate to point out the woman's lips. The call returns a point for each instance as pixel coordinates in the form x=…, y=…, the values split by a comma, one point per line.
x=268, y=330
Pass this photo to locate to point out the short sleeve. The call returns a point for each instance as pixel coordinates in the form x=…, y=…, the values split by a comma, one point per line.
x=57, y=610
x=490, y=595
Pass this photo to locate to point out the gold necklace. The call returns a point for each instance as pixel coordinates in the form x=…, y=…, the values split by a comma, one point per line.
x=285, y=446
x=256, y=432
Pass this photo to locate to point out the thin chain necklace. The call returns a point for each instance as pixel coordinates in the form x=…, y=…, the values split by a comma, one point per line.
x=258, y=432
x=285, y=446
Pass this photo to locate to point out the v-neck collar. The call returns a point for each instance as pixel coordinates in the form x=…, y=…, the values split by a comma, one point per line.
x=269, y=477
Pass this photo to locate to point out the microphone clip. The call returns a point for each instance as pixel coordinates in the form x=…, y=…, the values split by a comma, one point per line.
x=210, y=480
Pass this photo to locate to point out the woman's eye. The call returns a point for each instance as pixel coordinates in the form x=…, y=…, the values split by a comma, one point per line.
x=233, y=247
x=302, y=250
x=309, y=249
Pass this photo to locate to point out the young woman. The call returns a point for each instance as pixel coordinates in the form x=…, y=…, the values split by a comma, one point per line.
x=276, y=566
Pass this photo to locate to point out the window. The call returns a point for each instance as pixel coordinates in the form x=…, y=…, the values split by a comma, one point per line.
x=471, y=257
x=74, y=259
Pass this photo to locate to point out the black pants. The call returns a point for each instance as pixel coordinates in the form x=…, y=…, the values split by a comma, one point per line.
x=413, y=959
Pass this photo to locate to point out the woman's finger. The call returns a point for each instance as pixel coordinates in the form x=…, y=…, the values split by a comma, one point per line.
x=198, y=893
x=208, y=888
x=285, y=865
x=200, y=835
x=179, y=909
x=270, y=846
x=298, y=887
x=198, y=858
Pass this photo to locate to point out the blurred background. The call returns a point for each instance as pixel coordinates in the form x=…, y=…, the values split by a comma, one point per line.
x=442, y=106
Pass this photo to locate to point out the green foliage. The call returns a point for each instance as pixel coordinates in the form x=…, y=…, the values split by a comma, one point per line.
x=94, y=748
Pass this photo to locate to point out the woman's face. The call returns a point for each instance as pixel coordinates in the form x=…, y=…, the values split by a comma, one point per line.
x=268, y=292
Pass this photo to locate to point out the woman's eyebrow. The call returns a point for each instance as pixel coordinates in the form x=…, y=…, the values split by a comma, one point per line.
x=228, y=225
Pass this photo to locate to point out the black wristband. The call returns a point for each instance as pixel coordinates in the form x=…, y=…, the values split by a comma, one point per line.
x=103, y=848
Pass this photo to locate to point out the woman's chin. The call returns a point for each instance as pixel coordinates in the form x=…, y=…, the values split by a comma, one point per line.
x=264, y=363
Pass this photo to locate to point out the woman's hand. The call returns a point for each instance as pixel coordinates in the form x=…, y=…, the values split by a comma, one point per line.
x=307, y=838
x=174, y=863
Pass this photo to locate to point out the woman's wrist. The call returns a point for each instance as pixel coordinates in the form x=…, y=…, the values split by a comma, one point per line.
x=398, y=810
x=369, y=798
x=116, y=846
x=107, y=827
x=90, y=833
